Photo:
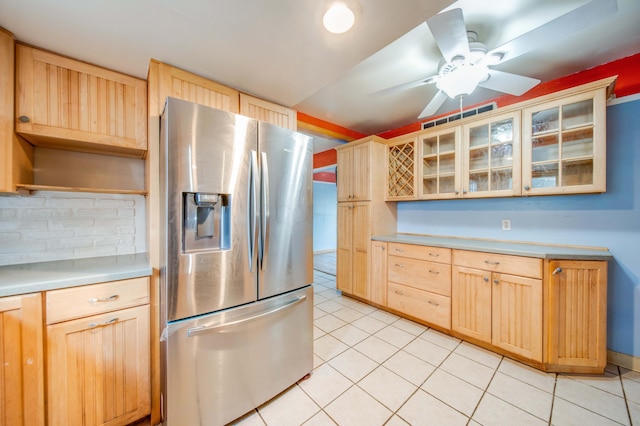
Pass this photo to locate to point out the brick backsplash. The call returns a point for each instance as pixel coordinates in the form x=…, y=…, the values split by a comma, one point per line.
x=64, y=225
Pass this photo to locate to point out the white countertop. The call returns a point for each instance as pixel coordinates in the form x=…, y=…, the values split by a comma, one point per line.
x=542, y=251
x=42, y=276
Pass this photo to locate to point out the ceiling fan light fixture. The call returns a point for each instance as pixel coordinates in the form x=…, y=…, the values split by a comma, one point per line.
x=338, y=18
x=462, y=79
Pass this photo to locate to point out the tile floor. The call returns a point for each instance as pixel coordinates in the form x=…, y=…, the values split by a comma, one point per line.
x=374, y=368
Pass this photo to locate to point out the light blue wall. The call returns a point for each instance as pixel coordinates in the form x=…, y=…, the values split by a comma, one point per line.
x=325, y=201
x=609, y=220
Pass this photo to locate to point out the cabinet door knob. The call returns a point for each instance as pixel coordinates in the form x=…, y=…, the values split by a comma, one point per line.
x=24, y=119
x=496, y=281
x=526, y=187
x=557, y=271
x=486, y=279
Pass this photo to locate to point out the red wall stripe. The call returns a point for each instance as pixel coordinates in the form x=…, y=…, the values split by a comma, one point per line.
x=324, y=177
x=325, y=158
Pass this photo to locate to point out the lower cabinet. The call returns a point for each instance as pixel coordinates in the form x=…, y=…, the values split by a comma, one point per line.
x=418, y=285
x=378, y=279
x=98, y=353
x=548, y=313
x=576, y=315
x=22, y=361
x=352, y=263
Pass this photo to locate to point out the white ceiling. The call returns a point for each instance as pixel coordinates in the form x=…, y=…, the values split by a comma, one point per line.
x=277, y=49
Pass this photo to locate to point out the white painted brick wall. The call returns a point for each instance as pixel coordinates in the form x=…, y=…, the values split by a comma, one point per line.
x=65, y=225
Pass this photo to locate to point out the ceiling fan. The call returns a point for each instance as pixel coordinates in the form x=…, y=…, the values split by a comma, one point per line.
x=468, y=63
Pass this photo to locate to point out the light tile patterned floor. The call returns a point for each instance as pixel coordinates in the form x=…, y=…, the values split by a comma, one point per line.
x=374, y=368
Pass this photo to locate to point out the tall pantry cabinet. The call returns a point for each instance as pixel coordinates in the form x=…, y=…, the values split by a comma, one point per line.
x=362, y=212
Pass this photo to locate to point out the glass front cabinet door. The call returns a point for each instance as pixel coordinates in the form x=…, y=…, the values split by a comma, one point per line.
x=439, y=164
x=564, y=146
x=492, y=157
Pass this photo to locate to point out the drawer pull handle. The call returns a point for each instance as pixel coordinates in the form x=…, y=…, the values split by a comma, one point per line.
x=102, y=324
x=397, y=250
x=486, y=279
x=111, y=298
x=433, y=303
x=557, y=271
x=434, y=272
x=488, y=262
x=398, y=292
x=399, y=265
x=434, y=255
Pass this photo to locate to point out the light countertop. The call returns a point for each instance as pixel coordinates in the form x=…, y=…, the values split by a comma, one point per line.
x=42, y=276
x=542, y=251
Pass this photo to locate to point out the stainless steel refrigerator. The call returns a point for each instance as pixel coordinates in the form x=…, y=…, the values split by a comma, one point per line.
x=236, y=303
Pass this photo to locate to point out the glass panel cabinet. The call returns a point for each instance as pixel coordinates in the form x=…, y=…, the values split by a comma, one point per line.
x=564, y=146
x=491, y=157
x=439, y=164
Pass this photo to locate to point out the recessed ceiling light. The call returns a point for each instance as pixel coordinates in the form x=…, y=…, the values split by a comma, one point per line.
x=338, y=19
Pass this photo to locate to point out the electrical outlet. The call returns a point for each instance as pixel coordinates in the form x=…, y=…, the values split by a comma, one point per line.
x=506, y=224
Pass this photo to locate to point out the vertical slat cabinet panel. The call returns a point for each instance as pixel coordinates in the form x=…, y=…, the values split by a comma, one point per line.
x=378, y=278
x=576, y=315
x=361, y=175
x=53, y=99
x=517, y=315
x=471, y=303
x=16, y=154
x=344, y=172
x=268, y=112
x=344, y=248
x=190, y=87
x=99, y=368
x=22, y=361
x=361, y=214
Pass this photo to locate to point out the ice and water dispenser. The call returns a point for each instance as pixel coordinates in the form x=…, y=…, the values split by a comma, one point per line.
x=207, y=222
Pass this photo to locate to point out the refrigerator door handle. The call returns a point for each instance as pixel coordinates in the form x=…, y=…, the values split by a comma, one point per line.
x=264, y=242
x=221, y=328
x=252, y=211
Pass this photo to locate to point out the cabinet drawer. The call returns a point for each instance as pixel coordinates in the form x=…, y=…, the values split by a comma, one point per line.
x=432, y=254
x=78, y=302
x=424, y=305
x=502, y=263
x=429, y=276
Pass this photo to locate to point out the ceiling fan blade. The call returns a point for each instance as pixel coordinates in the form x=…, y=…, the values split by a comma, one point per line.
x=505, y=82
x=434, y=105
x=450, y=33
x=556, y=29
x=403, y=86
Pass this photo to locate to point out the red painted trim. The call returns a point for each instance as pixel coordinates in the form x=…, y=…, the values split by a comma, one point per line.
x=329, y=126
x=325, y=158
x=628, y=83
x=324, y=177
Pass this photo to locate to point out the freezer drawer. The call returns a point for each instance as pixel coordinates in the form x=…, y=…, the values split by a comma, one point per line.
x=222, y=365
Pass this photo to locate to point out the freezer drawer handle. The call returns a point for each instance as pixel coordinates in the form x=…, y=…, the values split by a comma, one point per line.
x=195, y=331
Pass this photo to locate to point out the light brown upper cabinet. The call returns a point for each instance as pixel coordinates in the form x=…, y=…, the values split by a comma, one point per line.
x=268, y=112
x=564, y=145
x=353, y=174
x=67, y=104
x=167, y=80
x=491, y=157
x=440, y=164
